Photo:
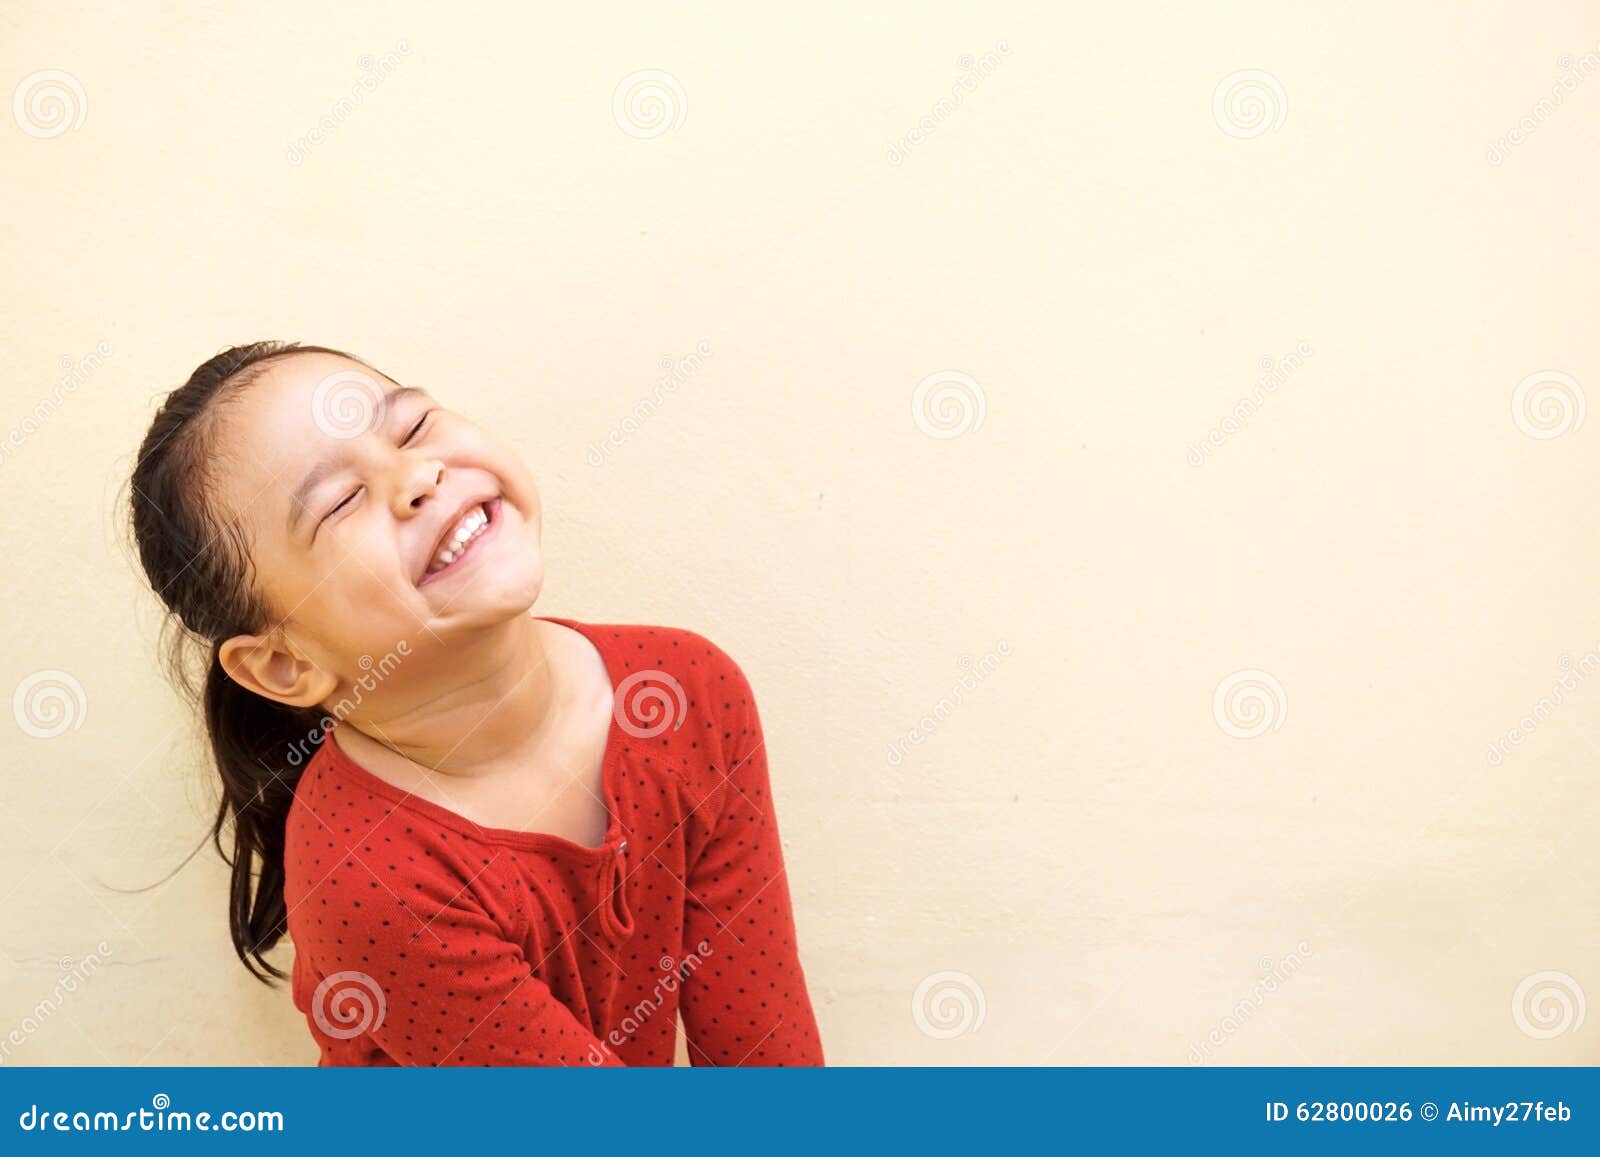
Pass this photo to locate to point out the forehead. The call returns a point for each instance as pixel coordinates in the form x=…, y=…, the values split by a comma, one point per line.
x=296, y=412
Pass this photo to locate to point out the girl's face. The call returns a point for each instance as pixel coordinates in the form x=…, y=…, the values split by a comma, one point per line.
x=373, y=514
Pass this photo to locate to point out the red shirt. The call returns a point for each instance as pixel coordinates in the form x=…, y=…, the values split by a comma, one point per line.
x=422, y=938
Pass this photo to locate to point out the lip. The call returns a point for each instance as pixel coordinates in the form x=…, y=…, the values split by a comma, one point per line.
x=491, y=507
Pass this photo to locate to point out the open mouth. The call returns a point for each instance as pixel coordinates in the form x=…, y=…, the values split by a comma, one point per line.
x=462, y=541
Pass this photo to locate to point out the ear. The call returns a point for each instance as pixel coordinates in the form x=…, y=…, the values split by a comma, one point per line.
x=263, y=665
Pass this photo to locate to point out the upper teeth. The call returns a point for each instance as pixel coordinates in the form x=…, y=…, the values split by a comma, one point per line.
x=470, y=526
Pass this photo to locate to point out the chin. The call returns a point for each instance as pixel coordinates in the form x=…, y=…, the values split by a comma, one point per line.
x=502, y=593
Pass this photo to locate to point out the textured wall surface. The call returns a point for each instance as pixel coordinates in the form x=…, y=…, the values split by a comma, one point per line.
x=1138, y=456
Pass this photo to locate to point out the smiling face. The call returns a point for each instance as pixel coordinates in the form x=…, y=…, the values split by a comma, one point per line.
x=373, y=514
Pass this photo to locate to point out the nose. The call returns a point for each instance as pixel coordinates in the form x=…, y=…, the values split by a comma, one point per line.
x=419, y=482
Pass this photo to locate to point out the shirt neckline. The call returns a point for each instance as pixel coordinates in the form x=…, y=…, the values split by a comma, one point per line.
x=616, y=740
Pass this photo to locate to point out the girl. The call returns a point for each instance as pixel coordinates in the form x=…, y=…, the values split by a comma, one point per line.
x=494, y=838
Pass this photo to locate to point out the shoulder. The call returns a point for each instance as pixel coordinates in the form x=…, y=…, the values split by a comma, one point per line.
x=354, y=860
x=681, y=695
x=640, y=656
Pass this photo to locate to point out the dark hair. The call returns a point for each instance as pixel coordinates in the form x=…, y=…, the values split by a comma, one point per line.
x=197, y=559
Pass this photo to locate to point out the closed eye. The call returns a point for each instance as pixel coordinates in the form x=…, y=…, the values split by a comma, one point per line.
x=420, y=423
x=349, y=498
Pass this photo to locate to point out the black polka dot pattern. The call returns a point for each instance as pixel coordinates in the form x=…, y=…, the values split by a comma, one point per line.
x=422, y=938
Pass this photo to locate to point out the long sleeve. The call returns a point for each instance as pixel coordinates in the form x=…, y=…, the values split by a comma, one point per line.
x=429, y=979
x=745, y=1002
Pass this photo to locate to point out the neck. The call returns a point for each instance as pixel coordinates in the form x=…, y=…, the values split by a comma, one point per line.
x=497, y=700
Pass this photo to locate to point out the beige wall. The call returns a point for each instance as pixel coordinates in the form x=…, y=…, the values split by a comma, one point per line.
x=1088, y=842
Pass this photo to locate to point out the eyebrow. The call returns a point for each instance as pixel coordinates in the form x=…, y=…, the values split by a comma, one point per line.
x=331, y=464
